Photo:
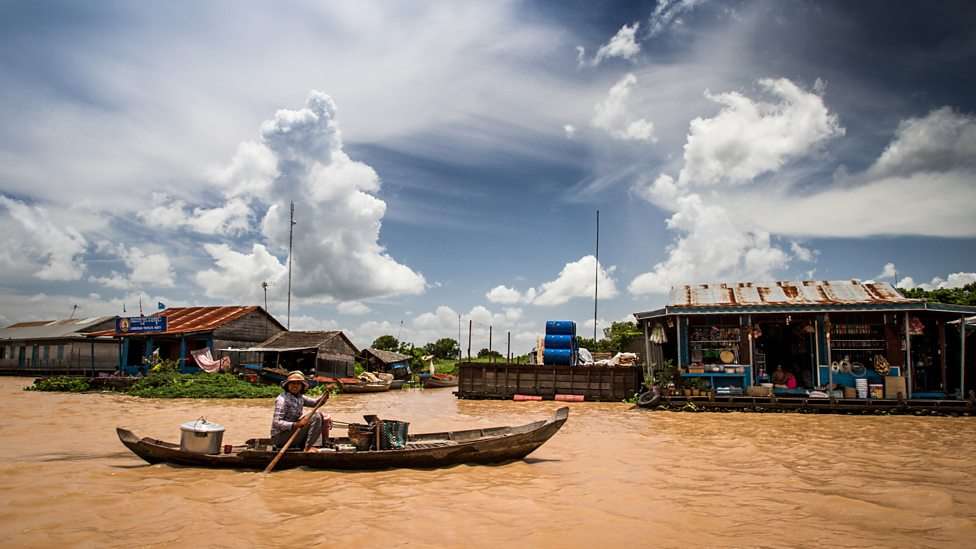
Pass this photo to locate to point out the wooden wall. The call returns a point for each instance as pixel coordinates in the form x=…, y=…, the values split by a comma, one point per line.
x=503, y=381
x=252, y=328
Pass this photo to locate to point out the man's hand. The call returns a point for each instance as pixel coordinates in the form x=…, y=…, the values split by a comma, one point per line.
x=302, y=422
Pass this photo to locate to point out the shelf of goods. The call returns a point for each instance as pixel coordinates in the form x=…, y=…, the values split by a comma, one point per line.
x=723, y=378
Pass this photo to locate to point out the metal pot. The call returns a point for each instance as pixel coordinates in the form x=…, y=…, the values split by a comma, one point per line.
x=201, y=437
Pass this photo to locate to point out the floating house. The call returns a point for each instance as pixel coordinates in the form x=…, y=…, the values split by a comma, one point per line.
x=323, y=353
x=848, y=336
x=176, y=332
x=58, y=347
x=378, y=360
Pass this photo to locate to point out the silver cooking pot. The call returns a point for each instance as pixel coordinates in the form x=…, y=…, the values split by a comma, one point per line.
x=201, y=437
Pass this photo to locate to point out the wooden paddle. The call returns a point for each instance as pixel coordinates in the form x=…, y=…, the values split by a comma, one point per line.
x=277, y=458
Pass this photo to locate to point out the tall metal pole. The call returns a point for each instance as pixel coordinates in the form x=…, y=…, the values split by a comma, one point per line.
x=469, y=338
x=596, y=275
x=491, y=356
x=508, y=352
x=459, y=337
x=291, y=233
x=962, y=357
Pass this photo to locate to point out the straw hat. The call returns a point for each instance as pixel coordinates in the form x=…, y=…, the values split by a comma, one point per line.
x=295, y=376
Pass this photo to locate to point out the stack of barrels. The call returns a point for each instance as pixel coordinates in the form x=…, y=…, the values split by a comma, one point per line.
x=560, y=343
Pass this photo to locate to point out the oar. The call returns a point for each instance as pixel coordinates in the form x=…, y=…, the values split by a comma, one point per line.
x=277, y=458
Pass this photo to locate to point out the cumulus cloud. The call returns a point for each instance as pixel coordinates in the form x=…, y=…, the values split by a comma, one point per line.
x=51, y=249
x=337, y=254
x=353, y=308
x=888, y=271
x=612, y=114
x=748, y=137
x=713, y=246
x=576, y=279
x=953, y=280
x=231, y=219
x=622, y=45
x=569, y=130
x=238, y=276
x=943, y=140
x=145, y=269
x=803, y=253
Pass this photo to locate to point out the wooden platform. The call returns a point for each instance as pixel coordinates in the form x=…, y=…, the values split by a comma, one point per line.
x=503, y=380
x=817, y=405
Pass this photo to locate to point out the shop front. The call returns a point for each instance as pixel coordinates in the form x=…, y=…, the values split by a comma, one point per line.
x=838, y=339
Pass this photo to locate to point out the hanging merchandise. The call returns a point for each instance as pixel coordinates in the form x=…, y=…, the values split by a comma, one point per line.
x=657, y=335
x=756, y=332
x=915, y=326
x=881, y=365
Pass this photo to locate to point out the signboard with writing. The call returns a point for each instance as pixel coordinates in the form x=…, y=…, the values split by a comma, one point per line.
x=139, y=324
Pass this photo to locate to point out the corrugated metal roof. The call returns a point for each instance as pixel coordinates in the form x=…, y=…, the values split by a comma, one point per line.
x=47, y=329
x=185, y=320
x=807, y=292
x=300, y=339
x=387, y=357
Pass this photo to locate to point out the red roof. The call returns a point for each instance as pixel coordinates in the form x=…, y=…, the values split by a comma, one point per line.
x=183, y=320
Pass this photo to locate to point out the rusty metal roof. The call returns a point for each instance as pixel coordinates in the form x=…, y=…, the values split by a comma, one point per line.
x=184, y=320
x=807, y=292
x=41, y=329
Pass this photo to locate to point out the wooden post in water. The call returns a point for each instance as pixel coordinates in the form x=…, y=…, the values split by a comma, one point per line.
x=908, y=357
x=508, y=352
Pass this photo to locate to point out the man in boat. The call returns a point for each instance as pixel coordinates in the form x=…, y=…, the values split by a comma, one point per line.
x=288, y=415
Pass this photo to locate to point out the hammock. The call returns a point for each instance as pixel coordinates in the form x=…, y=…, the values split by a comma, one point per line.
x=207, y=363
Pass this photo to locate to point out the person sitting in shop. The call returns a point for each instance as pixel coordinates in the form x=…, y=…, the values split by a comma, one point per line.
x=779, y=376
x=784, y=379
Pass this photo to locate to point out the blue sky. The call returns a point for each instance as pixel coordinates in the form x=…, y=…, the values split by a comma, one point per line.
x=448, y=159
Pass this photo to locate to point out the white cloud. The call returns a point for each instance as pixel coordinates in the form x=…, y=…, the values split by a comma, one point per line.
x=803, y=253
x=352, y=308
x=622, y=45
x=577, y=280
x=612, y=115
x=51, y=249
x=748, y=138
x=504, y=295
x=15, y=307
x=337, y=255
x=713, y=246
x=569, y=130
x=888, y=271
x=953, y=280
x=232, y=218
x=943, y=140
x=668, y=13
x=145, y=269
x=238, y=276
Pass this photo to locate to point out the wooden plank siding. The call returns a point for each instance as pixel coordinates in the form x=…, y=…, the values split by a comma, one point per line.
x=505, y=380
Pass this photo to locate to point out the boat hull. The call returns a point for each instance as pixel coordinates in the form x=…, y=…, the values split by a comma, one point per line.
x=431, y=450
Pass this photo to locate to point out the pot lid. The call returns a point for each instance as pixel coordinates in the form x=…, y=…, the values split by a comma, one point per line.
x=202, y=426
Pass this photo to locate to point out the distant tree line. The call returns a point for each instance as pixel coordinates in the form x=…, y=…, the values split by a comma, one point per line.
x=954, y=296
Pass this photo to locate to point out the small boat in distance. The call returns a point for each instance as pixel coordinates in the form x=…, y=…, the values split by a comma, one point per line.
x=374, y=383
x=440, y=380
x=427, y=450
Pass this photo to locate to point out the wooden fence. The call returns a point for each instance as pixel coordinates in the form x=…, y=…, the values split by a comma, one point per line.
x=504, y=380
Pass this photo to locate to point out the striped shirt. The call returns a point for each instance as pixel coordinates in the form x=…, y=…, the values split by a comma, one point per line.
x=288, y=410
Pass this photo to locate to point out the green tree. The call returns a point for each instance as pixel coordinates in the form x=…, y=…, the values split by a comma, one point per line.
x=615, y=338
x=444, y=347
x=485, y=353
x=954, y=296
x=386, y=343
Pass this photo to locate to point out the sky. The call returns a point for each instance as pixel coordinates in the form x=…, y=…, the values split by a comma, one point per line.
x=447, y=159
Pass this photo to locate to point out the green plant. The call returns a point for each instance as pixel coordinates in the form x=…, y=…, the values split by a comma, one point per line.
x=65, y=384
x=203, y=385
x=386, y=343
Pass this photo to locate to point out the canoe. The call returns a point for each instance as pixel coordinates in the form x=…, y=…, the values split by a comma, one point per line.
x=440, y=380
x=397, y=384
x=473, y=446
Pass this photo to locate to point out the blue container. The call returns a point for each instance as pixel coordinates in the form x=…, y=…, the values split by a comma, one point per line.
x=560, y=342
x=558, y=357
x=560, y=327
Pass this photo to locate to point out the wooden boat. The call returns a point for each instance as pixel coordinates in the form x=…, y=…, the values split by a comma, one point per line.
x=397, y=384
x=382, y=384
x=475, y=446
x=440, y=380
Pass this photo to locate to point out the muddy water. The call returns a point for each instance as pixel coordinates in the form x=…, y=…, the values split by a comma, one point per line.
x=612, y=477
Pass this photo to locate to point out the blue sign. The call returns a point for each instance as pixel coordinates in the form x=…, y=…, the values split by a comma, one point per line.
x=140, y=324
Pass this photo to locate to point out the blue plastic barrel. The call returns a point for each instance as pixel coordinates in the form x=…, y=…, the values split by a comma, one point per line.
x=559, y=342
x=558, y=357
x=560, y=327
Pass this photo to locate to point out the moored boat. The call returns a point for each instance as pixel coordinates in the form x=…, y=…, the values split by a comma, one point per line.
x=368, y=383
x=440, y=380
x=474, y=446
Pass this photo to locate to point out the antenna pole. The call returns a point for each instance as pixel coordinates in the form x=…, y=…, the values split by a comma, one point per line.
x=596, y=275
x=459, y=338
x=291, y=233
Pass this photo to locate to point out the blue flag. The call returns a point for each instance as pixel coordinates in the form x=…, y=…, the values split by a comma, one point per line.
x=160, y=305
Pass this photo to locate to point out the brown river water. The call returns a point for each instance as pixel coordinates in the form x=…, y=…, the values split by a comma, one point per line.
x=613, y=476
